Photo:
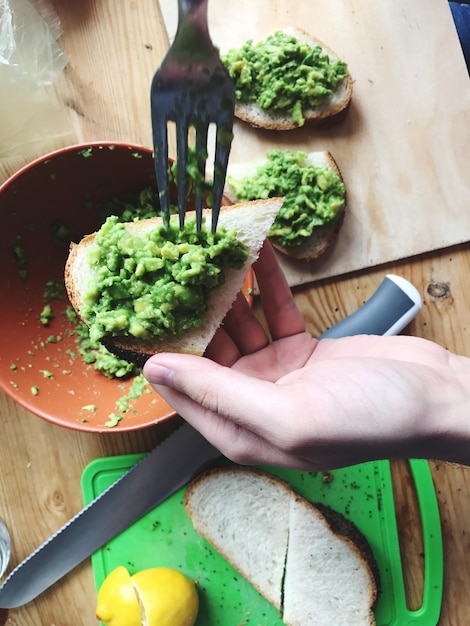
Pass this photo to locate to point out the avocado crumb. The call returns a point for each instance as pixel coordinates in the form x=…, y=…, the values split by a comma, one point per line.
x=61, y=234
x=47, y=374
x=113, y=421
x=54, y=338
x=89, y=407
x=139, y=386
x=46, y=315
x=53, y=291
x=19, y=256
x=35, y=390
x=94, y=353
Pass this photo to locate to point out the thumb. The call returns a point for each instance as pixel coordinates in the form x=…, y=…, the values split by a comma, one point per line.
x=202, y=390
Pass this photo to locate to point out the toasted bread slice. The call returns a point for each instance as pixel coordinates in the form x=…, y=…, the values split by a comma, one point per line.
x=322, y=236
x=314, y=571
x=251, y=222
x=332, y=106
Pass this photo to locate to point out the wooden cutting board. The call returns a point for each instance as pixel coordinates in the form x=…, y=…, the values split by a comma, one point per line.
x=404, y=146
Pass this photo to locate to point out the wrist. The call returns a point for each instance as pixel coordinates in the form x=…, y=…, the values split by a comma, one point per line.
x=447, y=429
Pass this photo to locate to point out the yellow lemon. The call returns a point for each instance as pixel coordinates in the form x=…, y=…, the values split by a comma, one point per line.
x=167, y=597
x=161, y=597
x=117, y=603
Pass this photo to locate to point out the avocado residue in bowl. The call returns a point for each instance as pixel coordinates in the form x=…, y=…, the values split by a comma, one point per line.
x=313, y=196
x=284, y=74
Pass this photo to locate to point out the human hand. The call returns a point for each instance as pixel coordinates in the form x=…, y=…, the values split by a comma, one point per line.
x=291, y=400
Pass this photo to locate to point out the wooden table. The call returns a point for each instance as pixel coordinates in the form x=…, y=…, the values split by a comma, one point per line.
x=114, y=48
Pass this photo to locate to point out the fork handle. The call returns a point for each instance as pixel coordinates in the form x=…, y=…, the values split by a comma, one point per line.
x=193, y=42
x=194, y=10
x=188, y=6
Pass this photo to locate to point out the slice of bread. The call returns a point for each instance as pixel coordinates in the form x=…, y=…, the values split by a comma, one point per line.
x=251, y=222
x=335, y=104
x=313, y=570
x=322, y=236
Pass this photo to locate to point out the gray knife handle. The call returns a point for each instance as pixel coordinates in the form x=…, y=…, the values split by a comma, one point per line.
x=395, y=303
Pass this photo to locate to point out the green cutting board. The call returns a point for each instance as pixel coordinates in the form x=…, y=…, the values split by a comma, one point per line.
x=363, y=493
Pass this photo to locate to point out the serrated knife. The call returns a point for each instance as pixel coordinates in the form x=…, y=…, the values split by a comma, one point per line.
x=171, y=465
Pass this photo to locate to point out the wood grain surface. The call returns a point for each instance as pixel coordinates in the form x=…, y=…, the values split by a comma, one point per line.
x=114, y=47
x=403, y=146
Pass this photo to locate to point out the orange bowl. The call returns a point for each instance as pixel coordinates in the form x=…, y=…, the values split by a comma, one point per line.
x=39, y=364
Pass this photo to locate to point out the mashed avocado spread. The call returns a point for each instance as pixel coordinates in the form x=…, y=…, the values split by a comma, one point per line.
x=283, y=73
x=313, y=196
x=157, y=284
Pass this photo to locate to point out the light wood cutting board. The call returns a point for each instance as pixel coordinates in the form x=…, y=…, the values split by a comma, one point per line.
x=404, y=146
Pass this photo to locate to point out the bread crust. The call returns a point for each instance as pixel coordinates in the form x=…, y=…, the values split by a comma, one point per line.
x=332, y=107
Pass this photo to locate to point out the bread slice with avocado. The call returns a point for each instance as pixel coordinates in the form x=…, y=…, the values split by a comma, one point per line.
x=309, y=561
x=102, y=276
x=315, y=198
x=289, y=79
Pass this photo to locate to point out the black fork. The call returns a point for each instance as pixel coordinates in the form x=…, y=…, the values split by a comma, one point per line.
x=192, y=88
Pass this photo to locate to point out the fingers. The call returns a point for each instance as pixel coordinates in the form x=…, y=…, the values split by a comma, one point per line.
x=199, y=395
x=240, y=334
x=222, y=349
x=282, y=315
x=219, y=390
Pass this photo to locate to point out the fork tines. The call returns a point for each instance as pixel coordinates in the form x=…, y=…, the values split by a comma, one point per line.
x=192, y=96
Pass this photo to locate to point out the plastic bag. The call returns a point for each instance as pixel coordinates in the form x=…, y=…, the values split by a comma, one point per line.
x=30, y=61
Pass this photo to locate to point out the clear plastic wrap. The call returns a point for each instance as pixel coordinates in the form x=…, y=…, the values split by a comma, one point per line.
x=30, y=62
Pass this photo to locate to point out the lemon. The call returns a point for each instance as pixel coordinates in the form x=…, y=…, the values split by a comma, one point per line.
x=159, y=596
x=117, y=603
x=167, y=596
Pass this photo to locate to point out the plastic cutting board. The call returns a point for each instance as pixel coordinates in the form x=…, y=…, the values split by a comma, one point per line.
x=363, y=493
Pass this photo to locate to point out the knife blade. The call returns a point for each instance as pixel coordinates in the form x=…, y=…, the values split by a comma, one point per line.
x=158, y=475
x=172, y=464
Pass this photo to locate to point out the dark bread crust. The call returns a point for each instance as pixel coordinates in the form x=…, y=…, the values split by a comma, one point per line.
x=341, y=525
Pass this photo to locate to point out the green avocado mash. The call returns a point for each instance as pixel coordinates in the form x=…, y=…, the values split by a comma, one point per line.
x=283, y=73
x=157, y=285
x=313, y=196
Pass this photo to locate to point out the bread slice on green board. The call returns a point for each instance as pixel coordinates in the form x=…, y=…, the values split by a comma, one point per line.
x=296, y=554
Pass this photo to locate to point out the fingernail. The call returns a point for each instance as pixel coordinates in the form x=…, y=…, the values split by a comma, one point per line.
x=158, y=374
